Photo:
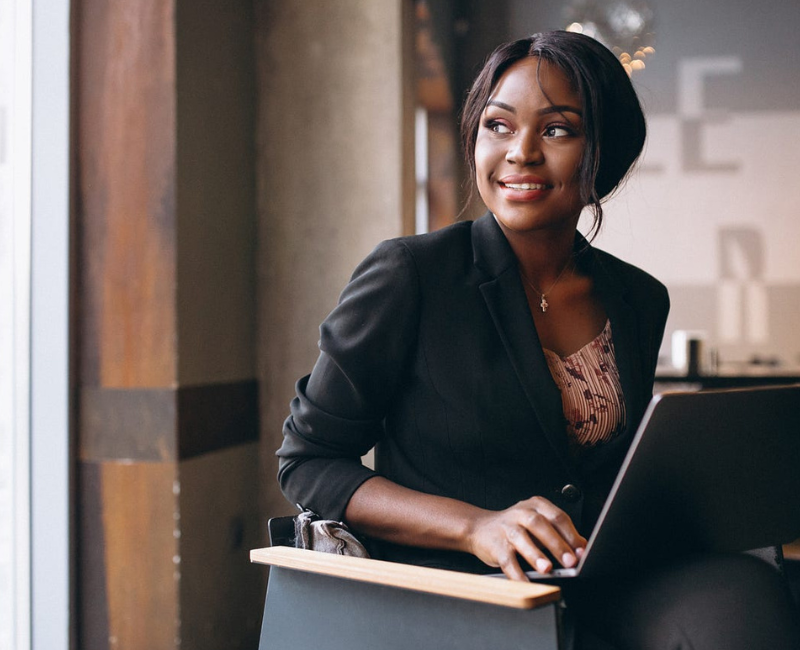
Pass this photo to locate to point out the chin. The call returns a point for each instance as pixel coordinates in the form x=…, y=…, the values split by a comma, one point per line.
x=521, y=222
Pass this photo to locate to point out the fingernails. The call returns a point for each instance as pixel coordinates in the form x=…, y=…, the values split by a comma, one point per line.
x=579, y=552
x=543, y=566
x=568, y=560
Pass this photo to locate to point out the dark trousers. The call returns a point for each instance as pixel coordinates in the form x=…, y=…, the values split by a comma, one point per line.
x=721, y=602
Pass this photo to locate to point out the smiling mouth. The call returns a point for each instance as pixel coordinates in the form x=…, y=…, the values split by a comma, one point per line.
x=525, y=186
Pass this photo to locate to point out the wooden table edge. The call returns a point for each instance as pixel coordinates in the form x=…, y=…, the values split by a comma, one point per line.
x=485, y=589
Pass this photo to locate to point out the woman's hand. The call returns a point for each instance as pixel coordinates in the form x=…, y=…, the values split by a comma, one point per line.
x=526, y=529
x=384, y=510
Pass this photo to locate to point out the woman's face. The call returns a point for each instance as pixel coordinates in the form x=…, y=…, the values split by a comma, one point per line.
x=529, y=146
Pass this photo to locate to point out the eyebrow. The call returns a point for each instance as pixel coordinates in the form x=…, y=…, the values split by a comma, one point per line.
x=545, y=111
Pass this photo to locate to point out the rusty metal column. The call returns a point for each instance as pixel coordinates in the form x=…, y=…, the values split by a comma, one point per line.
x=167, y=476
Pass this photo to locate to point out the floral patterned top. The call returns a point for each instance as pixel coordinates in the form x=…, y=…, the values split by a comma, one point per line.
x=591, y=392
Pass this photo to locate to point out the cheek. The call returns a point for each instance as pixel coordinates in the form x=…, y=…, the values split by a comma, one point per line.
x=568, y=170
x=483, y=175
x=575, y=182
x=577, y=160
x=485, y=160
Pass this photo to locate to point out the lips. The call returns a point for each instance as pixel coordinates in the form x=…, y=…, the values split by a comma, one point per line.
x=523, y=188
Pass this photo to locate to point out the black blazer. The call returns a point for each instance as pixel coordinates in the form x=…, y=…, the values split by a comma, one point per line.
x=432, y=357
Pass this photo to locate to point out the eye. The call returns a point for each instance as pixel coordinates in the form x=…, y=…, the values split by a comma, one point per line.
x=496, y=126
x=558, y=131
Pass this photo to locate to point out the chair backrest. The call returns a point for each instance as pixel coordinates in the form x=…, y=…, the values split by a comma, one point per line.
x=336, y=601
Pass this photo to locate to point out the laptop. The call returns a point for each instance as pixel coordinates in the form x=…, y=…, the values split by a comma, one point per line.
x=709, y=471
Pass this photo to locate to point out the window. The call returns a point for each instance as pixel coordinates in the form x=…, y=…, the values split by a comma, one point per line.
x=34, y=378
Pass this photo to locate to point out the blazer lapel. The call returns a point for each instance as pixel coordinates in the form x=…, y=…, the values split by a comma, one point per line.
x=624, y=332
x=505, y=299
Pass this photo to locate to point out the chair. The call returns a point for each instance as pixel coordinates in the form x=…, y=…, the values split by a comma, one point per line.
x=320, y=600
x=354, y=603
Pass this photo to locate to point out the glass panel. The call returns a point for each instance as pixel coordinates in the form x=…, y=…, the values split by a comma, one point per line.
x=15, y=159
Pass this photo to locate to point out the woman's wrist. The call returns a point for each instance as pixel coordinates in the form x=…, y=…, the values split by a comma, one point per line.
x=472, y=518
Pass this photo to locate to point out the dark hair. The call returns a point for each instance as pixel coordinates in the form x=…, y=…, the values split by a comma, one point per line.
x=613, y=121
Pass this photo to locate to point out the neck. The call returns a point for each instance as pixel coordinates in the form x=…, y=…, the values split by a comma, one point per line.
x=542, y=255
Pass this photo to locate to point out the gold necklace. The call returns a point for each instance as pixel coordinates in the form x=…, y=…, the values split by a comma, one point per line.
x=544, y=304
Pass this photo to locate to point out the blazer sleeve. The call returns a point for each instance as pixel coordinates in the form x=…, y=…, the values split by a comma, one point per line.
x=337, y=415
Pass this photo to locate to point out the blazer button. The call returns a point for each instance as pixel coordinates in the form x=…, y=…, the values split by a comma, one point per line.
x=571, y=492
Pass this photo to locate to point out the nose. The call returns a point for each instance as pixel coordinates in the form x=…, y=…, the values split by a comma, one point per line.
x=525, y=149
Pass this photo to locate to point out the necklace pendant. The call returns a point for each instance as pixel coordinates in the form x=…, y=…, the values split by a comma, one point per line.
x=544, y=304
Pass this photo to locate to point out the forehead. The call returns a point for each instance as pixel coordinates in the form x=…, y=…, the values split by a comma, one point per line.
x=535, y=81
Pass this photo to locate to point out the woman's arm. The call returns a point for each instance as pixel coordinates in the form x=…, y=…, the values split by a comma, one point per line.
x=384, y=510
x=337, y=414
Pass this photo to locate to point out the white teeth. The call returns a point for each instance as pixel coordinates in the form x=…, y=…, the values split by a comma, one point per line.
x=525, y=186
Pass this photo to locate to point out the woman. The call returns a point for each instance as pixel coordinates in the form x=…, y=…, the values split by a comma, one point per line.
x=498, y=367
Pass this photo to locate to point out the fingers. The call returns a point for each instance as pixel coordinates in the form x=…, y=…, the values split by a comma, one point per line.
x=540, y=526
x=559, y=519
x=509, y=564
x=523, y=544
x=535, y=530
x=553, y=527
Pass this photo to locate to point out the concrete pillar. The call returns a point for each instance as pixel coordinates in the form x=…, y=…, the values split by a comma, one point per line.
x=335, y=173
